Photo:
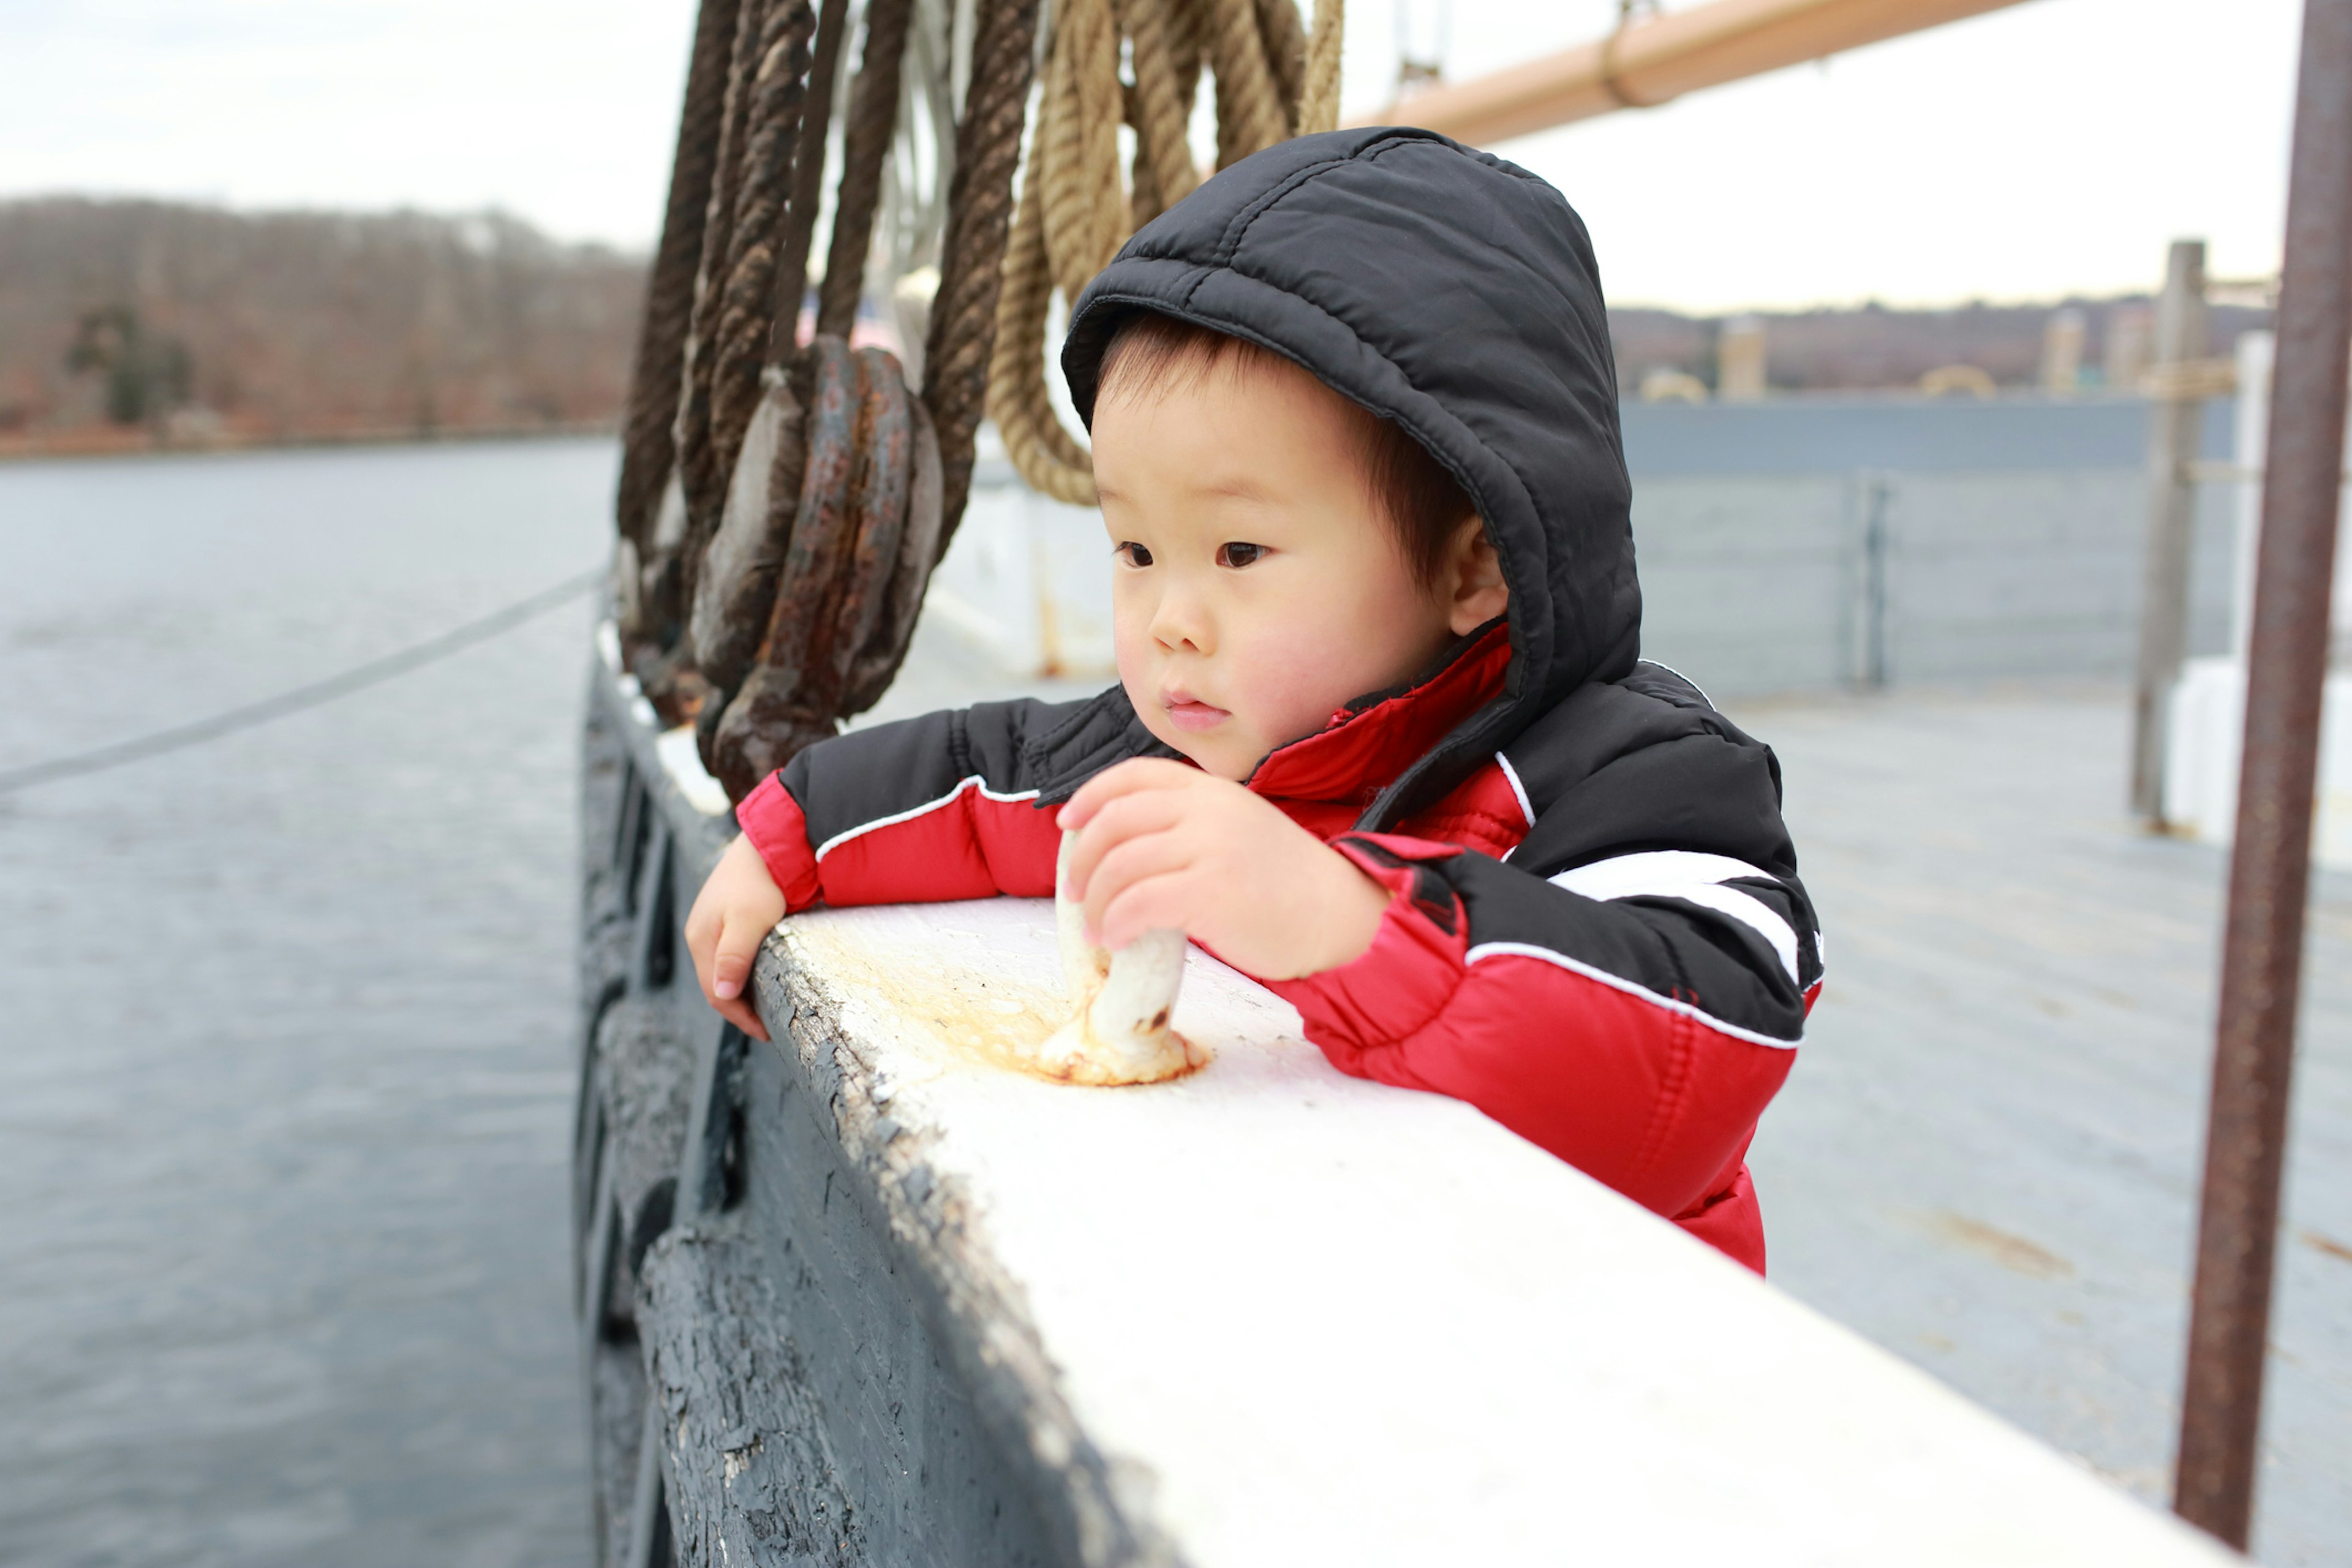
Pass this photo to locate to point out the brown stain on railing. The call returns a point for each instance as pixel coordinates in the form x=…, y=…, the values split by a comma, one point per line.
x=984, y=1014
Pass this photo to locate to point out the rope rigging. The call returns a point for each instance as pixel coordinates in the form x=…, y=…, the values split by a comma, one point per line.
x=1273, y=81
x=782, y=503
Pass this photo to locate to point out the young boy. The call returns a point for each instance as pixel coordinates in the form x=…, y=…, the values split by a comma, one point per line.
x=1382, y=737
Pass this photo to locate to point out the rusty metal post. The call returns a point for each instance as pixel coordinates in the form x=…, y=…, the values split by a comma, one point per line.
x=2270, y=868
x=2175, y=422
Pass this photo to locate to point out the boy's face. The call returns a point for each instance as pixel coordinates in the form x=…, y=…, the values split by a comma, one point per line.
x=1256, y=584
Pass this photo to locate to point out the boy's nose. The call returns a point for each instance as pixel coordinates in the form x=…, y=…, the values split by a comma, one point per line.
x=1180, y=624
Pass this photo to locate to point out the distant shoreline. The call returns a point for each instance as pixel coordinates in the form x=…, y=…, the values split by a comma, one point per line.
x=56, y=446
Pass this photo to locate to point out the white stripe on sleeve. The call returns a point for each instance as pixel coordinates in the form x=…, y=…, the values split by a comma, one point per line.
x=1694, y=878
x=1519, y=790
x=863, y=829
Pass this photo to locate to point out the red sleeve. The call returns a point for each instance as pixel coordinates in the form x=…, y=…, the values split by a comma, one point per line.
x=968, y=843
x=771, y=818
x=1641, y=1091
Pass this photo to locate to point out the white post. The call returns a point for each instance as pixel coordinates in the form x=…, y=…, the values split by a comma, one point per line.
x=1740, y=364
x=2062, y=351
x=2175, y=419
x=2123, y=359
x=2255, y=351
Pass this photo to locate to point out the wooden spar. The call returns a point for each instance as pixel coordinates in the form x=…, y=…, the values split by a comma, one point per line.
x=1645, y=63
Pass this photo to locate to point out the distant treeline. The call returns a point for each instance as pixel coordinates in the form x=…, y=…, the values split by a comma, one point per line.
x=123, y=322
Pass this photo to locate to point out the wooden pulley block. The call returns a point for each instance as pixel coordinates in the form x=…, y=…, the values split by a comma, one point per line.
x=737, y=586
x=801, y=616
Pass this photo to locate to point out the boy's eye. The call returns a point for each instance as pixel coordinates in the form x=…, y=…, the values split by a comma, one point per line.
x=1235, y=554
x=1131, y=552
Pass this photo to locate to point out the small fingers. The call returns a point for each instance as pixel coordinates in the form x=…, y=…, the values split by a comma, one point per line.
x=1120, y=821
x=702, y=943
x=732, y=958
x=740, y=1012
x=1153, y=903
x=731, y=955
x=1122, y=866
x=1127, y=778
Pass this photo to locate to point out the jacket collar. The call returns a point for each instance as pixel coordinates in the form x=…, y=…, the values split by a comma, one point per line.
x=1370, y=742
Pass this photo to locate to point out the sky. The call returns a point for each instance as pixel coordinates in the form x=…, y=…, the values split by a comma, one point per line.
x=2049, y=149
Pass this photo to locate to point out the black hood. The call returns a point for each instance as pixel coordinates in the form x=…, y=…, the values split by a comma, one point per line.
x=1457, y=294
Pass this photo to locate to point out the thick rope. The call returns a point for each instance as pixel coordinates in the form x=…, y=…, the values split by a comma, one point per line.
x=747, y=298
x=1086, y=220
x=656, y=611
x=697, y=474
x=808, y=180
x=745, y=290
x=866, y=141
x=1272, y=76
x=958, y=357
x=1161, y=104
x=1285, y=54
x=1319, y=99
x=647, y=446
x=1250, y=115
x=1042, y=451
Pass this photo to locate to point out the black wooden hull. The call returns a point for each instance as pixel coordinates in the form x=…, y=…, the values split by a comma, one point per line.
x=816, y=1403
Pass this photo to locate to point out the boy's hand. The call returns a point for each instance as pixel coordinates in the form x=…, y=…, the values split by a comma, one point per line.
x=731, y=917
x=1163, y=844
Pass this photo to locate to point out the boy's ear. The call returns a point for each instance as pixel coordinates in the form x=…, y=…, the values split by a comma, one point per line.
x=1474, y=591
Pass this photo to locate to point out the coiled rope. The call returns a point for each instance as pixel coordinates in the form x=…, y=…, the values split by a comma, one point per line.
x=1273, y=81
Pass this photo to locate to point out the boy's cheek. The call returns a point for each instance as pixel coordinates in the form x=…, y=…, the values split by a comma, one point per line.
x=1284, y=681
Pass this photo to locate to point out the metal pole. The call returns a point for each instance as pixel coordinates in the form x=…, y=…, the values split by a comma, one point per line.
x=2176, y=420
x=2269, y=868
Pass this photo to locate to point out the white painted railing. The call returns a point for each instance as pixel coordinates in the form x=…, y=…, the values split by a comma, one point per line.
x=1310, y=1319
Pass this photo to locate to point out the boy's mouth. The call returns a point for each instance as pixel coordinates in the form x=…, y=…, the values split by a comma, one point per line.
x=1190, y=713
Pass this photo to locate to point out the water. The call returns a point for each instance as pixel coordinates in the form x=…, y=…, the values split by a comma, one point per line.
x=284, y=1019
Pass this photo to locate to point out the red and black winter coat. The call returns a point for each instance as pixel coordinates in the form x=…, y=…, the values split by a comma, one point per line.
x=1597, y=935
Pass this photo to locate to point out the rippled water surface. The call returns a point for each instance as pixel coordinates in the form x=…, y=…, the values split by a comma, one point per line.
x=284, y=1018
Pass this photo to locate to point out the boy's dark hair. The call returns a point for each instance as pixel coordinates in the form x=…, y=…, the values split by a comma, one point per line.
x=1426, y=505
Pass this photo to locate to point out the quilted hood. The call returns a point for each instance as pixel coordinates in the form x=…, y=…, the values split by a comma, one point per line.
x=1457, y=294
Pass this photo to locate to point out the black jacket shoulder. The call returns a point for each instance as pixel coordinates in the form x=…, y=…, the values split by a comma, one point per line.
x=1645, y=763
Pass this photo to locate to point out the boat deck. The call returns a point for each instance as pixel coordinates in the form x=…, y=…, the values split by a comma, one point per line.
x=1987, y=1157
